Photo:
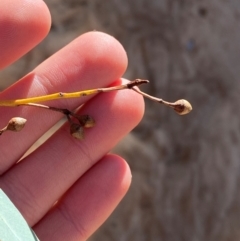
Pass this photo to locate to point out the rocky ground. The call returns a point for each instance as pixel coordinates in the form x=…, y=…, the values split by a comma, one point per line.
x=186, y=170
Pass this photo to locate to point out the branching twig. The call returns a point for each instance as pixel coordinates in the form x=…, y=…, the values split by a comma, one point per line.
x=182, y=107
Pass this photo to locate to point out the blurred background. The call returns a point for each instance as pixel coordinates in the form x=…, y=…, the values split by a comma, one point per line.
x=186, y=170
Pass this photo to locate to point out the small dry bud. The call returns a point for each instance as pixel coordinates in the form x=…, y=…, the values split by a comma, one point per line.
x=16, y=124
x=182, y=107
x=77, y=131
x=86, y=121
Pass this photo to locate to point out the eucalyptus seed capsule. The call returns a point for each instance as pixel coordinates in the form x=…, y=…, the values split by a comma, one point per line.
x=182, y=107
x=16, y=124
x=77, y=131
x=86, y=121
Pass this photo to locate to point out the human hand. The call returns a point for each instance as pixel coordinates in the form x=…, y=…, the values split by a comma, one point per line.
x=87, y=182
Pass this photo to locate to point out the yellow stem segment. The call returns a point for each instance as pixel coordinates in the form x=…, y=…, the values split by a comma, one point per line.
x=60, y=95
x=44, y=98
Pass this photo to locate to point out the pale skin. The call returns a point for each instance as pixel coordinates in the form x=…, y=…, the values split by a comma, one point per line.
x=88, y=182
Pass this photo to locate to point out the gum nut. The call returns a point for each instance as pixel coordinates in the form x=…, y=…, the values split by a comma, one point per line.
x=182, y=107
x=86, y=120
x=77, y=131
x=16, y=124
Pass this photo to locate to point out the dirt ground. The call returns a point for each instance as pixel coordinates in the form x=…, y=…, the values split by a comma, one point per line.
x=186, y=170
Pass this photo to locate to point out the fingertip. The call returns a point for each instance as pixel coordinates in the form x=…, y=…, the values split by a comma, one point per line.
x=103, y=50
x=23, y=25
x=119, y=172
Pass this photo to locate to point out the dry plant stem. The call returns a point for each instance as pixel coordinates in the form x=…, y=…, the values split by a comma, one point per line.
x=182, y=107
x=66, y=112
x=61, y=95
x=63, y=111
x=3, y=130
x=130, y=85
x=85, y=121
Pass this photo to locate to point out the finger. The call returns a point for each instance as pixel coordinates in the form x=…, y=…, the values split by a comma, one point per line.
x=88, y=203
x=37, y=182
x=92, y=60
x=23, y=24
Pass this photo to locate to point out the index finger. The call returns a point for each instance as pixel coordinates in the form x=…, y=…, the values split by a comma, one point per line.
x=93, y=60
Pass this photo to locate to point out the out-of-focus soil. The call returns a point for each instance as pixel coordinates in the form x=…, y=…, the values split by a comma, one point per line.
x=186, y=170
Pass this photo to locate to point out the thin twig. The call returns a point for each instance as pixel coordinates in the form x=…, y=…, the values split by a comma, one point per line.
x=61, y=95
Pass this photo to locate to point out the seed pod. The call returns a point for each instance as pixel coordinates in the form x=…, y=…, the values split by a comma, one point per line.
x=86, y=121
x=182, y=107
x=77, y=131
x=16, y=124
